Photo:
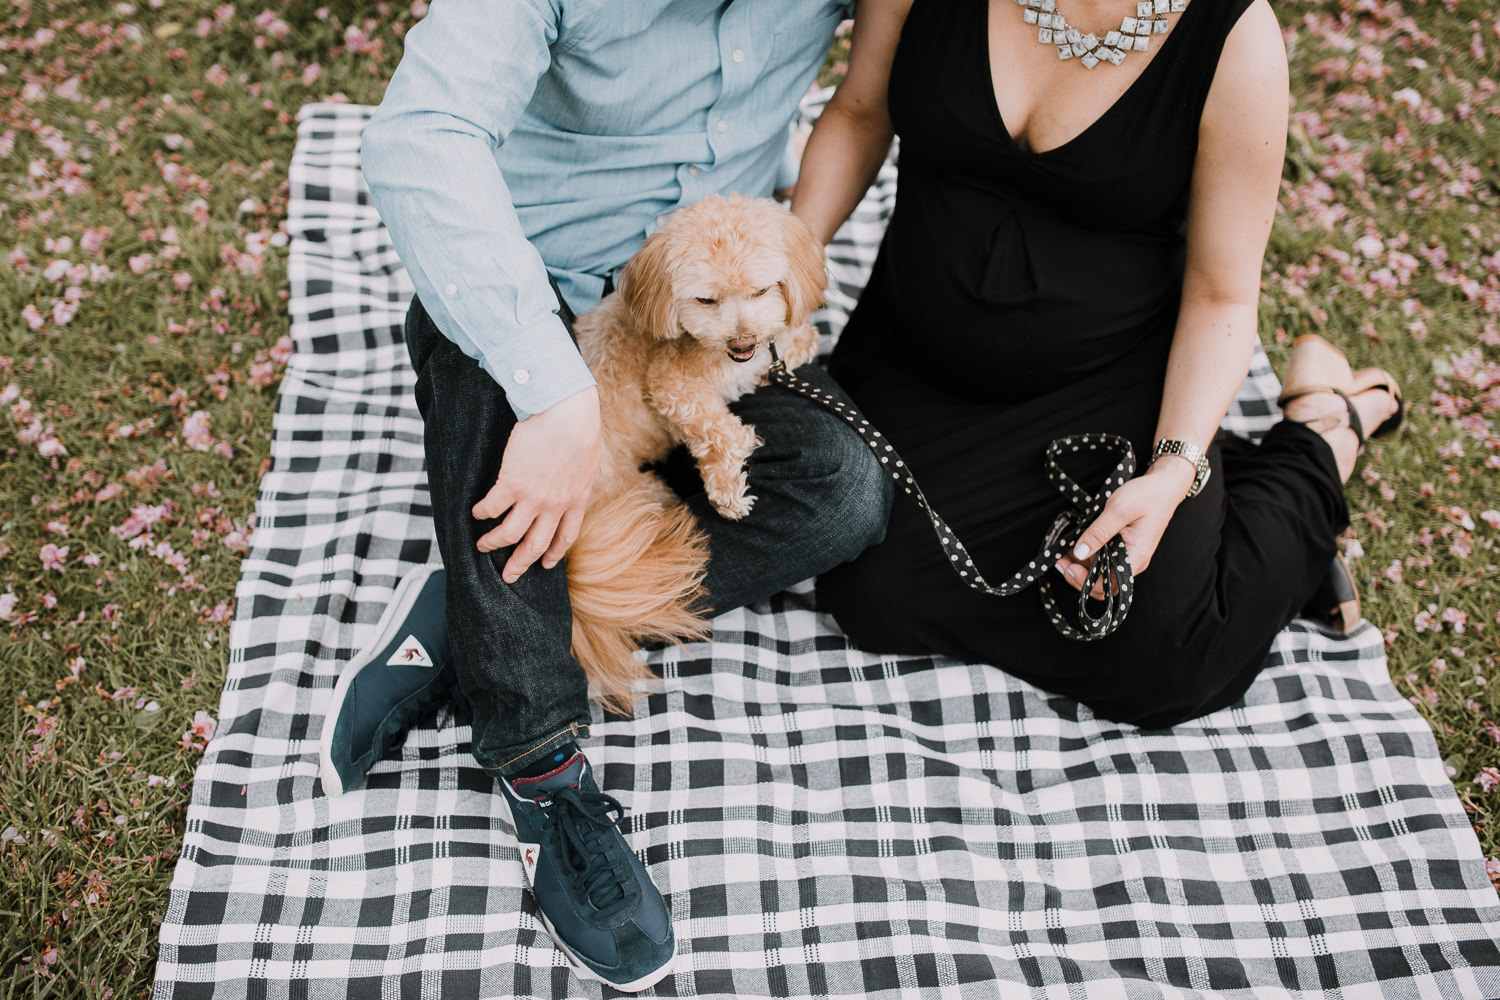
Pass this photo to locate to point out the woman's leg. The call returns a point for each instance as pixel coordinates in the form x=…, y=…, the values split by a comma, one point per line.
x=1236, y=564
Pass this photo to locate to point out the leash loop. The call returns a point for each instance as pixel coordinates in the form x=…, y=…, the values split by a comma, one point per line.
x=1111, y=564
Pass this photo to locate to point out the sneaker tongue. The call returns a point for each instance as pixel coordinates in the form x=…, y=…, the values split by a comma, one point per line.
x=565, y=776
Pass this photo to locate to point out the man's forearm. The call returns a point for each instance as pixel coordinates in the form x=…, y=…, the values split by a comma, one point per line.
x=428, y=157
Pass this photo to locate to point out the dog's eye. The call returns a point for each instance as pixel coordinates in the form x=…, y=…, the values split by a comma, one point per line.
x=705, y=301
x=759, y=292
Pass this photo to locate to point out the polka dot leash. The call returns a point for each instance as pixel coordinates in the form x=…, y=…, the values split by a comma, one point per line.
x=1111, y=562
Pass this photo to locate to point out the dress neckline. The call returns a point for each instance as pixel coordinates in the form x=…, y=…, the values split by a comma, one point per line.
x=994, y=102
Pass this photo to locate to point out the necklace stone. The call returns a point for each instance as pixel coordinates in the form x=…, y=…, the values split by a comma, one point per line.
x=1134, y=33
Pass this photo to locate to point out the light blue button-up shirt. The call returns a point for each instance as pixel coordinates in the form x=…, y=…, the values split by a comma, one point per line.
x=521, y=136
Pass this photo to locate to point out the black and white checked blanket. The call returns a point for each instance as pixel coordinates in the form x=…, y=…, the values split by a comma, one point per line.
x=823, y=821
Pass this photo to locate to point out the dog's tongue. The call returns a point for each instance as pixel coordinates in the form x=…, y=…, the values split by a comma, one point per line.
x=741, y=354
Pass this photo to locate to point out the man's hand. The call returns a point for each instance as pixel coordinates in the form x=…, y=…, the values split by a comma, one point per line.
x=1138, y=512
x=546, y=476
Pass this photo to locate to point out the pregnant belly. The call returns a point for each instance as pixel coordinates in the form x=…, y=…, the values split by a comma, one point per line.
x=1016, y=307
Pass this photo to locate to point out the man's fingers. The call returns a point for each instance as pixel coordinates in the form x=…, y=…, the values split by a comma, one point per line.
x=509, y=531
x=538, y=539
x=562, y=541
x=494, y=503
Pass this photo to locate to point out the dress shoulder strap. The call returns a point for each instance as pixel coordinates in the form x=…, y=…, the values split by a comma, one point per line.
x=1204, y=26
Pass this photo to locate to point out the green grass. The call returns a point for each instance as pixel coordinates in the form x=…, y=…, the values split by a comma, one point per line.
x=122, y=117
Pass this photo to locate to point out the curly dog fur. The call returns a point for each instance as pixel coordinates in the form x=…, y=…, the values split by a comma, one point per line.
x=685, y=335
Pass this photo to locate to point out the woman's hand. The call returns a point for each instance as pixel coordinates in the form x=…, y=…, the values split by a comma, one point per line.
x=1138, y=512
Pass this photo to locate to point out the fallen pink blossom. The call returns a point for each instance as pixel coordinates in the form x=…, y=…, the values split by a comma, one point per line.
x=195, y=430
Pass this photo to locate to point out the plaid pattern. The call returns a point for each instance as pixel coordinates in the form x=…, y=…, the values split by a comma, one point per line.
x=823, y=821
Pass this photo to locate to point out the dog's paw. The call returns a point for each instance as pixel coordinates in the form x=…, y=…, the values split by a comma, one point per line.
x=742, y=444
x=730, y=494
x=733, y=507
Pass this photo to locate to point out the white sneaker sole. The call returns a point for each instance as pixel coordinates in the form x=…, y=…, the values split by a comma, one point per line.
x=395, y=615
x=647, y=981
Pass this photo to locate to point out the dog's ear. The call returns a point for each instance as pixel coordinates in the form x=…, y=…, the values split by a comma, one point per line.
x=646, y=287
x=807, y=275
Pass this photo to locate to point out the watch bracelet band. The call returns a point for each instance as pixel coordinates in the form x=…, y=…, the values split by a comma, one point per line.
x=1190, y=453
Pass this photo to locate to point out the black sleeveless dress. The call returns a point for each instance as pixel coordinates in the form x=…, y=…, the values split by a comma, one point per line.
x=1019, y=297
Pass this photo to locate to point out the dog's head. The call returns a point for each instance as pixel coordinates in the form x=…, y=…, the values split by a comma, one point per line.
x=729, y=271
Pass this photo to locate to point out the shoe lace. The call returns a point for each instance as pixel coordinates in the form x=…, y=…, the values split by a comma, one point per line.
x=584, y=823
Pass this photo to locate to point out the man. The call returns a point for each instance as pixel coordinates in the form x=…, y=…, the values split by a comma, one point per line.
x=524, y=150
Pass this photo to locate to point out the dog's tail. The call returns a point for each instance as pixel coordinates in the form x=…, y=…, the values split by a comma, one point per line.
x=633, y=576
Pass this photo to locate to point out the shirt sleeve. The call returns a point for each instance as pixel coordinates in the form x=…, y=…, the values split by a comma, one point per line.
x=467, y=74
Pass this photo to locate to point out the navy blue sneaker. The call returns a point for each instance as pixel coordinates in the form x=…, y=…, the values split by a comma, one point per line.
x=594, y=894
x=402, y=673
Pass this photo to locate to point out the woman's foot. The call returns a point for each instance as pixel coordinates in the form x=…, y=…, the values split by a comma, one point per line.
x=1342, y=405
x=1329, y=414
x=1336, y=601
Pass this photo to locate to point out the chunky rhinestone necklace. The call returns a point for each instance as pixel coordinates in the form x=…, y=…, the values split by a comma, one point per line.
x=1134, y=33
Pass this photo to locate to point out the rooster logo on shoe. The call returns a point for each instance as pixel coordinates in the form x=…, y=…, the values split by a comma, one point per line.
x=528, y=861
x=410, y=653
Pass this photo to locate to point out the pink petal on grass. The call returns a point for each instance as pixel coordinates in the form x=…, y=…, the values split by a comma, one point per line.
x=195, y=430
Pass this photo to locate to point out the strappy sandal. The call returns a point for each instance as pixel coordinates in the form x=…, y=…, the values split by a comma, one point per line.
x=1336, y=601
x=1317, y=366
x=1366, y=379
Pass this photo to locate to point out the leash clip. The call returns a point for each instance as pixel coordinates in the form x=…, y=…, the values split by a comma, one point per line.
x=777, y=365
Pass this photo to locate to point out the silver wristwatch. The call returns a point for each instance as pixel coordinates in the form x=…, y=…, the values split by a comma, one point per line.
x=1191, y=452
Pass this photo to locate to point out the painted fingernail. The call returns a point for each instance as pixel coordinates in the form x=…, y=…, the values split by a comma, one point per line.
x=1081, y=551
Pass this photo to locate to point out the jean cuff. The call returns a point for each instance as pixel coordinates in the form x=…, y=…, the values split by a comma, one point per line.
x=519, y=757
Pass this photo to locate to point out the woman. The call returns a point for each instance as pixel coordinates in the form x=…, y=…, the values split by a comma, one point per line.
x=1076, y=247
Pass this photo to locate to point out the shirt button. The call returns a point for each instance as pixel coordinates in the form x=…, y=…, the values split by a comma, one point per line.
x=521, y=375
x=738, y=56
x=452, y=289
x=660, y=220
x=693, y=171
x=723, y=126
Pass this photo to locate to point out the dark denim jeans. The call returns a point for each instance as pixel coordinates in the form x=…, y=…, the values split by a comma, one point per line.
x=822, y=499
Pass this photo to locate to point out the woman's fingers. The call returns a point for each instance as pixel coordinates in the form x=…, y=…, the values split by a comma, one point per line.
x=1122, y=517
x=1107, y=525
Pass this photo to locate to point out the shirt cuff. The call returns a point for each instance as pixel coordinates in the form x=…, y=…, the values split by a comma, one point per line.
x=538, y=376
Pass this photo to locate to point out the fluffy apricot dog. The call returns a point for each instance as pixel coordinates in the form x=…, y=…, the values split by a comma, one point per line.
x=687, y=333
